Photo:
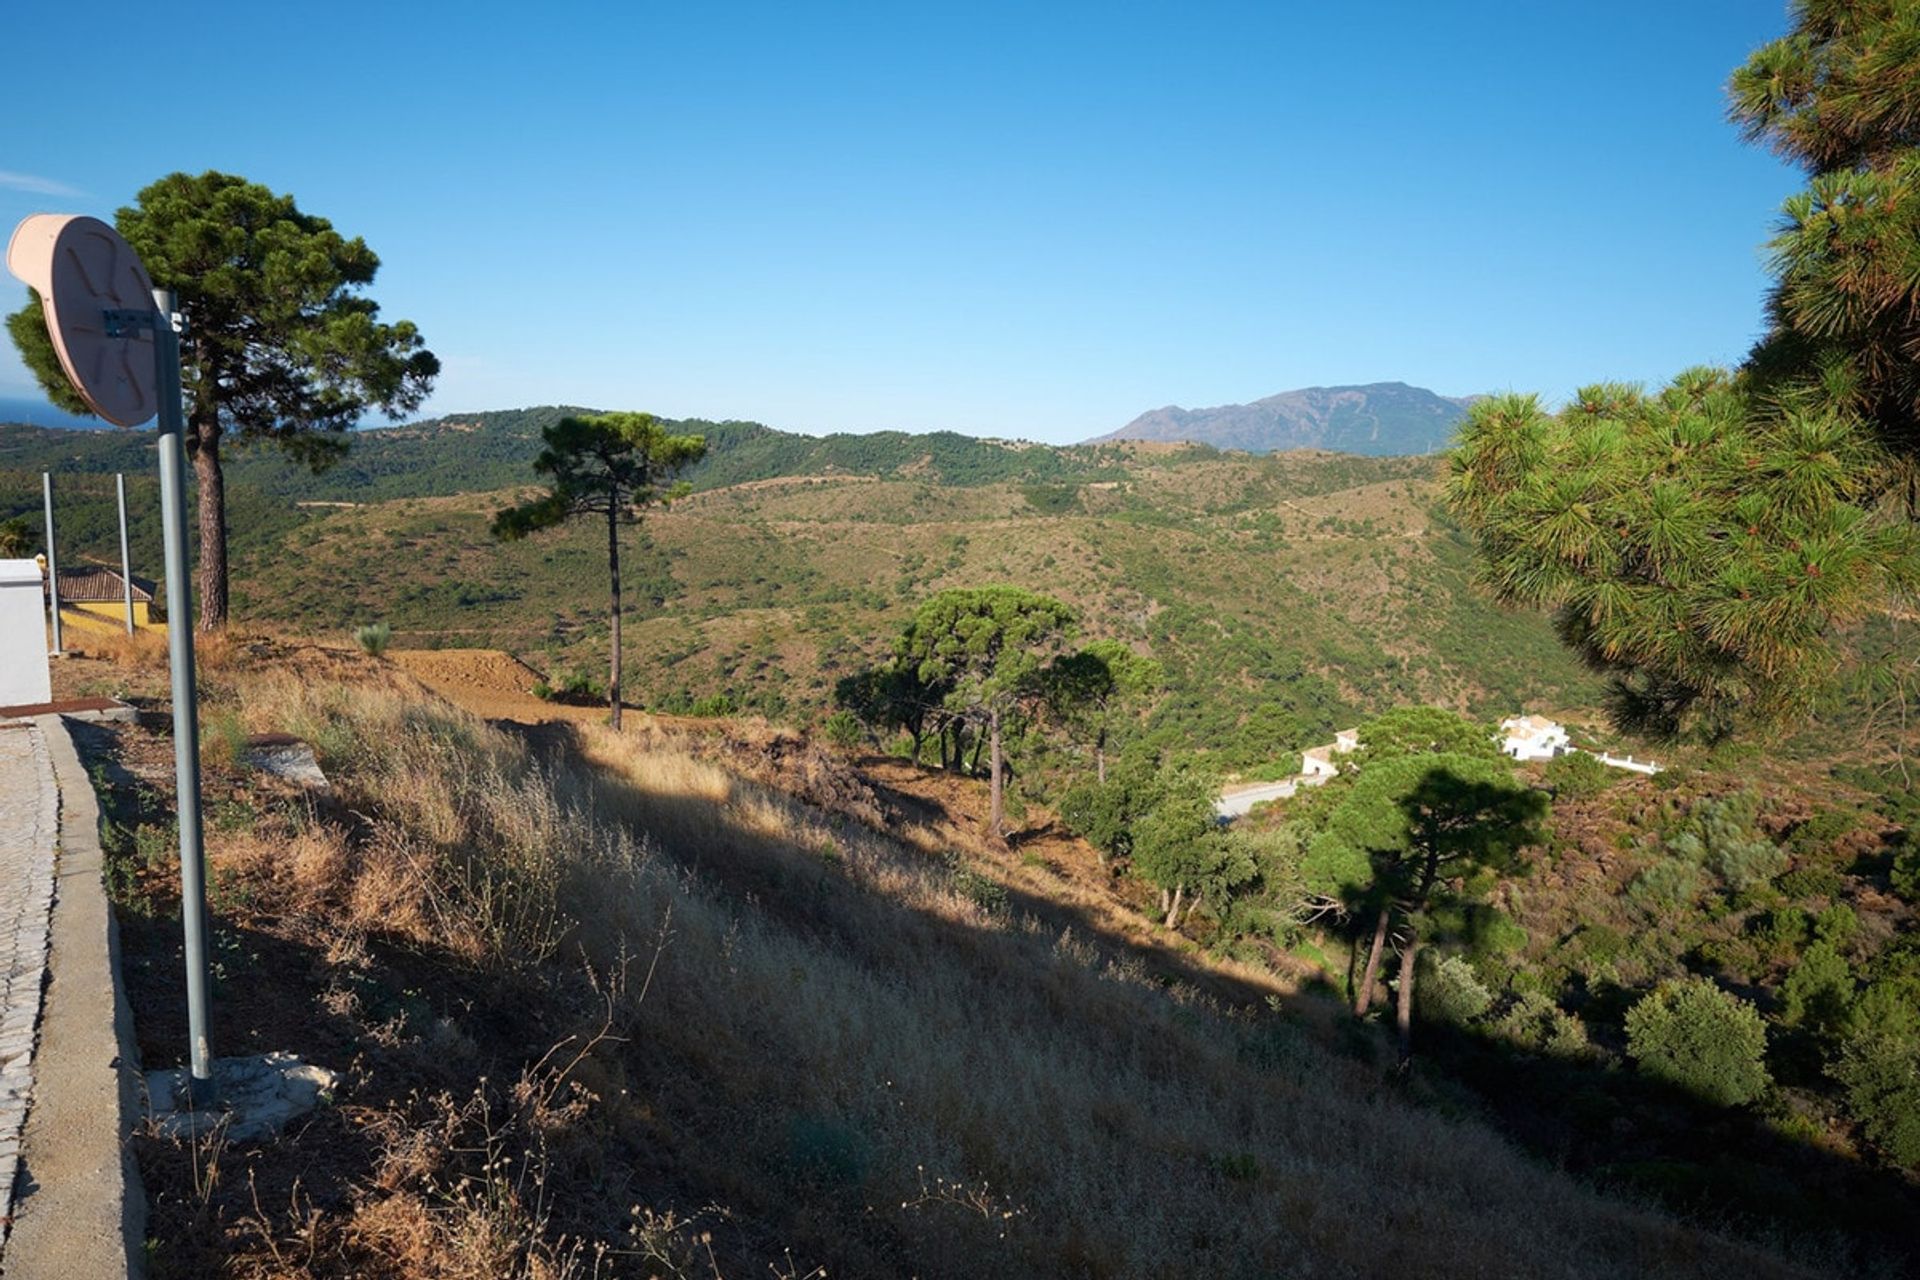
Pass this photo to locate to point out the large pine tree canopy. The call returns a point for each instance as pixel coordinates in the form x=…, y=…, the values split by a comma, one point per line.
x=1702, y=544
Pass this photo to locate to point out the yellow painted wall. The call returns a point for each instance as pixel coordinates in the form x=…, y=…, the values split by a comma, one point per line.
x=98, y=617
x=115, y=610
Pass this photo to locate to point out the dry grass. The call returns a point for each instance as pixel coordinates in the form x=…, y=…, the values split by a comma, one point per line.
x=813, y=1025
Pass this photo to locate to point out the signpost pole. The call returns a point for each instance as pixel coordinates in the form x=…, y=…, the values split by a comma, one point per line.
x=53, y=568
x=186, y=719
x=126, y=561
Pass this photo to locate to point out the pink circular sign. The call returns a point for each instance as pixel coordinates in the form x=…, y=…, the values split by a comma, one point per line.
x=81, y=268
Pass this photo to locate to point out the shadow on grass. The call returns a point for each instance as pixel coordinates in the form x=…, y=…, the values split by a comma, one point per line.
x=1607, y=1124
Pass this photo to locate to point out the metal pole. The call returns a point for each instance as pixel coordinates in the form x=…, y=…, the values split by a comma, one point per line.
x=126, y=561
x=53, y=568
x=186, y=719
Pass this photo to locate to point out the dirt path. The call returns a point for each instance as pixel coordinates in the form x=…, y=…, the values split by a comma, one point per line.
x=495, y=685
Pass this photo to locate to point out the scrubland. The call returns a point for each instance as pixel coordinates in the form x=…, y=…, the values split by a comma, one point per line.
x=606, y=1008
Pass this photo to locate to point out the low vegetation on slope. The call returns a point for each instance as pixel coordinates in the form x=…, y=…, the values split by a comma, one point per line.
x=1286, y=594
x=607, y=1009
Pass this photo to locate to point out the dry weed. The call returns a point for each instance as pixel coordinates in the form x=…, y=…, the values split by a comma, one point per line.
x=871, y=1062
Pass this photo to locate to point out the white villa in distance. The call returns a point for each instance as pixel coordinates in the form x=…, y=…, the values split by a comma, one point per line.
x=1530, y=737
x=1316, y=763
x=1533, y=738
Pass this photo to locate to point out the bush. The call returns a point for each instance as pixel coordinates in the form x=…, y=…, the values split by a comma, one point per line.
x=1906, y=875
x=1719, y=834
x=1665, y=887
x=1452, y=992
x=1819, y=991
x=1837, y=924
x=1817, y=835
x=1810, y=882
x=1535, y=1023
x=1880, y=1073
x=1692, y=1034
x=373, y=638
x=1577, y=774
x=842, y=729
x=714, y=704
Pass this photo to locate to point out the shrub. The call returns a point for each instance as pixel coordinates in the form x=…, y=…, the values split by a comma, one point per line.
x=1577, y=774
x=1599, y=944
x=1453, y=992
x=1906, y=875
x=714, y=704
x=1535, y=1023
x=1692, y=1034
x=1810, y=882
x=1667, y=886
x=1818, y=834
x=1880, y=1073
x=1719, y=834
x=1819, y=990
x=1782, y=932
x=373, y=638
x=1837, y=924
x=843, y=729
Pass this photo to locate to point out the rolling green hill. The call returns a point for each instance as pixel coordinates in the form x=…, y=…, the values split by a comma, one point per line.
x=1285, y=593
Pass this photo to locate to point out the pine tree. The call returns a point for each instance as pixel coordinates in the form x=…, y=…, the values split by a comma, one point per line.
x=1703, y=544
x=610, y=465
x=989, y=648
x=280, y=342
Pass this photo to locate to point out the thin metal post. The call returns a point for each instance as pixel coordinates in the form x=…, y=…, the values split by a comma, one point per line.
x=53, y=567
x=186, y=719
x=126, y=561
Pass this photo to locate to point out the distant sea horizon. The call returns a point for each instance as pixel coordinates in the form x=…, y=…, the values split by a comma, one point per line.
x=25, y=409
x=38, y=413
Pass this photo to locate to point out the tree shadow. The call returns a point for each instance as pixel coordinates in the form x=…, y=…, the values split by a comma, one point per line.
x=1612, y=1127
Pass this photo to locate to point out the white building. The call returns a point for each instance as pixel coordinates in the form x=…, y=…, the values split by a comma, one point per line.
x=1533, y=738
x=1316, y=763
x=23, y=635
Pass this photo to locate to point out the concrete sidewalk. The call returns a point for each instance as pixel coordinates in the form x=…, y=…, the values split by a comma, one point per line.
x=77, y=1208
x=29, y=831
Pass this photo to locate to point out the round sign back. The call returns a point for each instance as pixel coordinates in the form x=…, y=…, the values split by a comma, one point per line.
x=81, y=269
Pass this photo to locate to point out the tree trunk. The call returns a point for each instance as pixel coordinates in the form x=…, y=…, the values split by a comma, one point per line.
x=1165, y=898
x=1403, y=999
x=1173, y=912
x=205, y=436
x=1363, y=999
x=979, y=745
x=1100, y=757
x=996, y=819
x=613, y=576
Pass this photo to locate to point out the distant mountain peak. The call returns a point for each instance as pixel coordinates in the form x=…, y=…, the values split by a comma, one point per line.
x=1376, y=418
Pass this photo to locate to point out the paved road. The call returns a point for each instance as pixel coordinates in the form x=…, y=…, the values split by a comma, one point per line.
x=1237, y=804
x=29, y=827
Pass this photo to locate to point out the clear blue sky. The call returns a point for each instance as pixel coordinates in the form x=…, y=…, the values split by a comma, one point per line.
x=1025, y=220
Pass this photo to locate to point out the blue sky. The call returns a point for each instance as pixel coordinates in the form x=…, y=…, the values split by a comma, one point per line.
x=1016, y=220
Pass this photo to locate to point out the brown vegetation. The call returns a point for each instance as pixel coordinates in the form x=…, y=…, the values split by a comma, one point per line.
x=609, y=1008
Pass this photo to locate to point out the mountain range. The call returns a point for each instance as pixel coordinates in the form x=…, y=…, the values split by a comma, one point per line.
x=1380, y=419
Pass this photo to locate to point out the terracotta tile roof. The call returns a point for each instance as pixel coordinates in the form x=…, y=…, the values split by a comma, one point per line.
x=96, y=582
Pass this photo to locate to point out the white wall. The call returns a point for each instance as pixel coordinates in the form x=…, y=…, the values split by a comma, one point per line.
x=23, y=635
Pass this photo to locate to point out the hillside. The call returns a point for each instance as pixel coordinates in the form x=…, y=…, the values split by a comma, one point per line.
x=1284, y=593
x=1381, y=419
x=607, y=1005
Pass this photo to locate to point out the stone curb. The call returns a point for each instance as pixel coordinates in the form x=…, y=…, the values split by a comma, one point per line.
x=80, y=1209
